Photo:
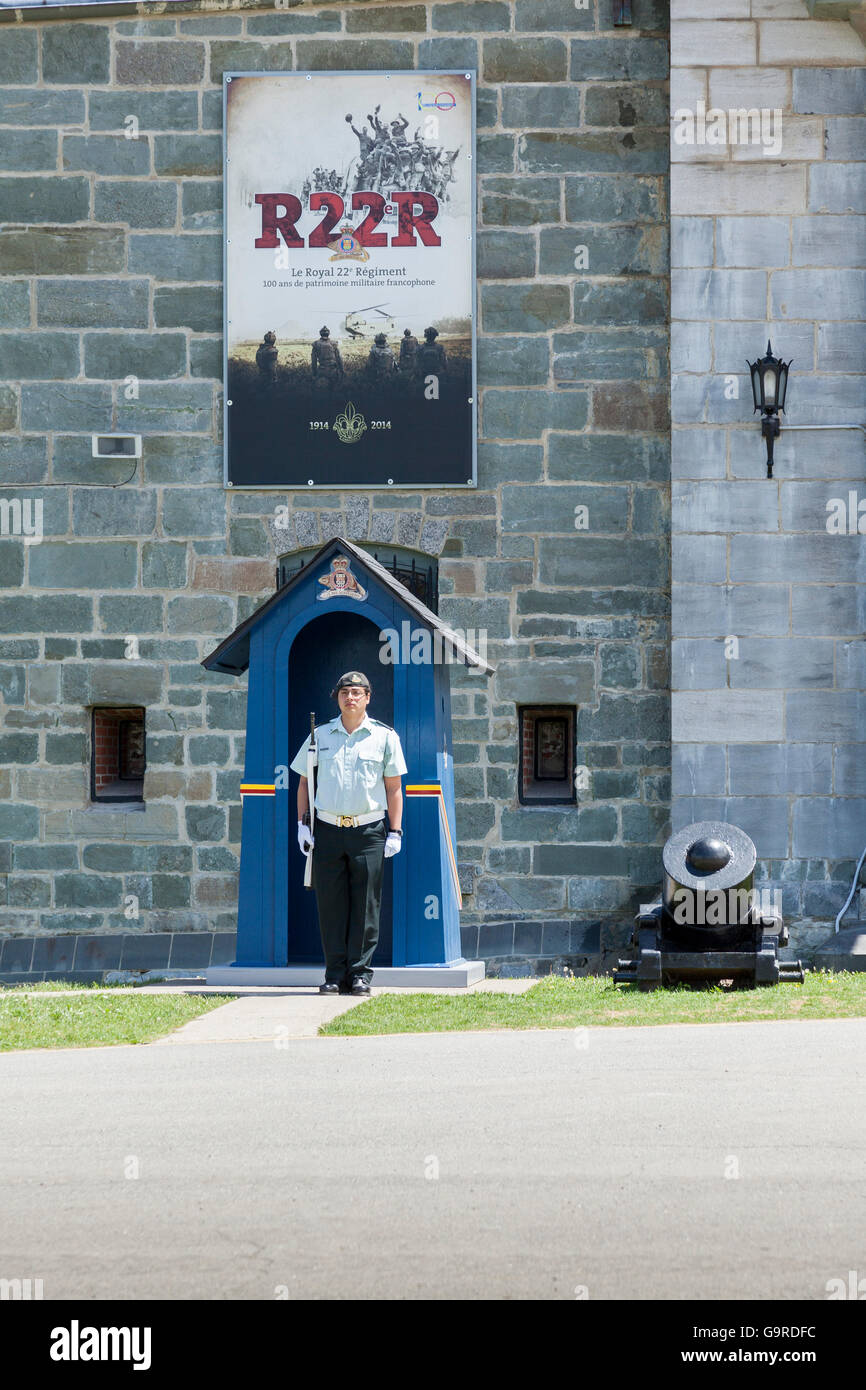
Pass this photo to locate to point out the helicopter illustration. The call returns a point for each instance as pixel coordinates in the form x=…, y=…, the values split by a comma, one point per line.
x=359, y=326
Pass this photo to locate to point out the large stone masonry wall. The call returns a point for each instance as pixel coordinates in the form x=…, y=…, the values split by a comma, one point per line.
x=770, y=729
x=111, y=261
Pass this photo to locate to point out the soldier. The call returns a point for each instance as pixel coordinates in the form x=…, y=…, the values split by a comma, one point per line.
x=360, y=763
x=380, y=362
x=266, y=356
x=430, y=359
x=326, y=362
x=408, y=350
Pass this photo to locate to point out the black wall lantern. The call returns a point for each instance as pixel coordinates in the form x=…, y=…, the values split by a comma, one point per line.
x=769, y=385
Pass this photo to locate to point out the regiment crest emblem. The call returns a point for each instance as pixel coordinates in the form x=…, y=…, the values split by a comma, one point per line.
x=340, y=582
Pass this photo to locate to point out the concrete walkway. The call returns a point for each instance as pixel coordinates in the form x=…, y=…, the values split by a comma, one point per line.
x=268, y=1015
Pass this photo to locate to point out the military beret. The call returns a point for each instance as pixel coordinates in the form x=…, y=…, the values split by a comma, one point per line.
x=350, y=678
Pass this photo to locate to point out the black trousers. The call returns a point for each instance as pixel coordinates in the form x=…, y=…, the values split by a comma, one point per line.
x=348, y=867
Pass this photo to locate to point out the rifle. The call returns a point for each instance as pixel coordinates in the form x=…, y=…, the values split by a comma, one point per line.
x=312, y=762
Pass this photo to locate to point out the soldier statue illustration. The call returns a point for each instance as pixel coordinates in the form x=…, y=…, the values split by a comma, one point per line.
x=326, y=362
x=266, y=356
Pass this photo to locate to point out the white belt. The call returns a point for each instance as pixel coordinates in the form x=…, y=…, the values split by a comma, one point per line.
x=347, y=822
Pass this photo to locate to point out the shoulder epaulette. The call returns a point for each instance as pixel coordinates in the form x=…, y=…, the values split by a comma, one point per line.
x=383, y=726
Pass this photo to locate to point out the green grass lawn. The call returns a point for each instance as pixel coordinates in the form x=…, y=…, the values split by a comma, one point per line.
x=76, y=1016
x=595, y=1001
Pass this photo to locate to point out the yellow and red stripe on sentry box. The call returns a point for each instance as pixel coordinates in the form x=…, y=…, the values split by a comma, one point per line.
x=257, y=789
x=433, y=789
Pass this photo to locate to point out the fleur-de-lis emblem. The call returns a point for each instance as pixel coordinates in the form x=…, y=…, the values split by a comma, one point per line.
x=349, y=425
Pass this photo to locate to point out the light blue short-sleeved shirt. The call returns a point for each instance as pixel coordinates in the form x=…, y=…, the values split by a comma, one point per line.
x=352, y=767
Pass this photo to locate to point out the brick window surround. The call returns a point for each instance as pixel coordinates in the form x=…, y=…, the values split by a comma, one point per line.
x=537, y=786
x=117, y=754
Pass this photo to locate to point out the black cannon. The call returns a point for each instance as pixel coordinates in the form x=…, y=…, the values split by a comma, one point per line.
x=710, y=923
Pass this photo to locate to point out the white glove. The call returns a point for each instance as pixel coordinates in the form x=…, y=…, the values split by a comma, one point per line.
x=393, y=844
x=305, y=839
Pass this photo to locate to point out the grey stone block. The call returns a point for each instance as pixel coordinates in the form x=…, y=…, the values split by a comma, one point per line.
x=549, y=510
x=702, y=610
x=633, y=301
x=517, y=414
x=83, y=303
x=691, y=241
x=733, y=342
x=824, y=558
x=732, y=716
x=837, y=715
x=57, y=199
x=87, y=890
x=36, y=106
x=592, y=560
x=630, y=59
x=613, y=198
x=105, y=154
x=837, y=188
x=19, y=55
x=46, y=356
x=830, y=91
x=395, y=19
x=829, y=609
x=850, y=769
x=388, y=55
x=301, y=22
x=172, y=405
x=198, y=308
x=28, y=150
x=717, y=294
x=690, y=347
x=840, y=346
x=752, y=241
x=601, y=861
x=828, y=241
x=540, y=108
x=54, y=954
x=144, y=355
x=202, y=205
x=505, y=255
x=642, y=151
x=601, y=458
x=818, y=294
x=828, y=827
x=524, y=60
x=518, y=202
x=74, y=55
x=187, y=155
x=698, y=769
x=145, y=951
x=723, y=506
x=616, y=250
x=187, y=257
x=450, y=53
x=158, y=110
x=506, y=361
x=83, y=565
x=159, y=63
x=146, y=204
x=804, y=769
x=16, y=954
x=698, y=664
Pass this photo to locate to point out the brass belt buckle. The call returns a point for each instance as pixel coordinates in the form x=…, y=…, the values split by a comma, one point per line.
x=346, y=822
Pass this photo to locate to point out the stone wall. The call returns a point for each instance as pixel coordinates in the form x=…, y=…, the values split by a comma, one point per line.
x=111, y=263
x=769, y=728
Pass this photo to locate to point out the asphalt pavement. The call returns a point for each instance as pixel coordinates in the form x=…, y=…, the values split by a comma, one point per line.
x=678, y=1162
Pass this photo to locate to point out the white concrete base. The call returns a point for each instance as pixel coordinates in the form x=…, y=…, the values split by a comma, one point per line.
x=457, y=976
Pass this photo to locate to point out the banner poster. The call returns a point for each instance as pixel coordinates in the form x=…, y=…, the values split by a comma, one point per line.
x=350, y=251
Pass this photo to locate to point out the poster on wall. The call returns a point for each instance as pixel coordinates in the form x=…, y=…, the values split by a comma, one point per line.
x=350, y=279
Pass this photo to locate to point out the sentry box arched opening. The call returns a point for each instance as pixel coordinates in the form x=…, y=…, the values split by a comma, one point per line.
x=344, y=611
